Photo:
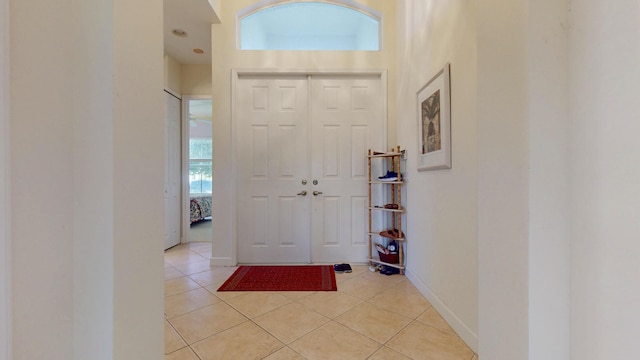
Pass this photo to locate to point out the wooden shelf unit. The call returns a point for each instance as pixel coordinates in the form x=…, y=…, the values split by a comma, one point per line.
x=394, y=189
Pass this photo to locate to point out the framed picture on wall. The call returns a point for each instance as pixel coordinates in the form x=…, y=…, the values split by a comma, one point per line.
x=434, y=123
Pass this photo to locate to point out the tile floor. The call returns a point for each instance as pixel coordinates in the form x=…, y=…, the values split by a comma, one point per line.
x=371, y=316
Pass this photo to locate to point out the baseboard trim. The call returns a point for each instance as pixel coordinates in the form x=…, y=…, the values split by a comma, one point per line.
x=468, y=336
x=222, y=261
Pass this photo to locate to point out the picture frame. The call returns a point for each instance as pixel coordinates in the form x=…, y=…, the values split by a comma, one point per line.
x=434, y=122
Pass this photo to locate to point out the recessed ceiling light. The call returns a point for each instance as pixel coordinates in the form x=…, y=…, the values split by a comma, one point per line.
x=198, y=51
x=179, y=32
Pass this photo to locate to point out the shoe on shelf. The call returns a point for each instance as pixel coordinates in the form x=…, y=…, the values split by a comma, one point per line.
x=389, y=176
x=392, y=234
x=381, y=249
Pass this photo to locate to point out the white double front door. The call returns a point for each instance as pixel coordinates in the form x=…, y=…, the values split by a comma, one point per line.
x=301, y=145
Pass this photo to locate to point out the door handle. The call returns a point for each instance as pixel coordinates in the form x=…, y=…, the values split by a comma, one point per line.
x=303, y=193
x=316, y=193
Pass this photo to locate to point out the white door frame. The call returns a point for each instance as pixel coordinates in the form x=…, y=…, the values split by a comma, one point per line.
x=173, y=94
x=5, y=198
x=235, y=75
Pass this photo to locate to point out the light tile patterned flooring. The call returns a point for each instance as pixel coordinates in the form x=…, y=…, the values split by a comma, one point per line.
x=371, y=316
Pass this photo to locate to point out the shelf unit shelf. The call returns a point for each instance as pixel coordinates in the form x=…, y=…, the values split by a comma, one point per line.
x=386, y=237
x=394, y=189
x=378, y=261
x=387, y=210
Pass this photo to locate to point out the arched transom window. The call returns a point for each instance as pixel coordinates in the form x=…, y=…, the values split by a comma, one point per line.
x=309, y=26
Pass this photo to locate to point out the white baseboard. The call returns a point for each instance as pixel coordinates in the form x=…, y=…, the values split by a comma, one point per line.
x=468, y=336
x=222, y=261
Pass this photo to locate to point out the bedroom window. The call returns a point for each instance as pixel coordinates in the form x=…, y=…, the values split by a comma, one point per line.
x=200, y=146
x=309, y=26
x=200, y=171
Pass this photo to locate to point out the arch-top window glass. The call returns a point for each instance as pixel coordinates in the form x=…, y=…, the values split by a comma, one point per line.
x=309, y=26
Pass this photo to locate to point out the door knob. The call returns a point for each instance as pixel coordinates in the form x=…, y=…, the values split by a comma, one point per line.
x=303, y=193
x=316, y=193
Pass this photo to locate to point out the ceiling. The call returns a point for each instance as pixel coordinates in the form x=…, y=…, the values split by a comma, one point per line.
x=194, y=17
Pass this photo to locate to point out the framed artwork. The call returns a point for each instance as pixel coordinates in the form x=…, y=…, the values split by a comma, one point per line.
x=434, y=123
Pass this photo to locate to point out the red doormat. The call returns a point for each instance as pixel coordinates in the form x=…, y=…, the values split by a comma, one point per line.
x=282, y=278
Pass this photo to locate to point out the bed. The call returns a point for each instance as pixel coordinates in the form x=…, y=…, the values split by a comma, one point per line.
x=200, y=207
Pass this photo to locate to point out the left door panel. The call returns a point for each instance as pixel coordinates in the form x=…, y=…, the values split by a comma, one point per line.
x=272, y=164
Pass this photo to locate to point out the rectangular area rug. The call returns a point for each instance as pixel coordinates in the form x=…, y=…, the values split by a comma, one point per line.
x=282, y=278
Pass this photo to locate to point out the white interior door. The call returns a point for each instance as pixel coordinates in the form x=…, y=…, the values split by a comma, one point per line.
x=272, y=163
x=173, y=170
x=305, y=135
x=347, y=118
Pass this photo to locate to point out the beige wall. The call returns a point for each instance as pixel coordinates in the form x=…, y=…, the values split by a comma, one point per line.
x=196, y=79
x=186, y=79
x=87, y=220
x=172, y=74
x=5, y=220
x=227, y=57
x=442, y=205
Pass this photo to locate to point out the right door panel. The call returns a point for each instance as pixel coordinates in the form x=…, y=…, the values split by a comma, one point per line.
x=347, y=115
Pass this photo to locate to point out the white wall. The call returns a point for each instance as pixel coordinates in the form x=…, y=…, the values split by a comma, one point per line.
x=549, y=189
x=5, y=218
x=503, y=206
x=558, y=179
x=93, y=197
x=138, y=180
x=86, y=110
x=42, y=180
x=442, y=205
x=605, y=178
x=227, y=57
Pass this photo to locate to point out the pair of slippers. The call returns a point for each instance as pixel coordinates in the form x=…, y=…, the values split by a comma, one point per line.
x=342, y=268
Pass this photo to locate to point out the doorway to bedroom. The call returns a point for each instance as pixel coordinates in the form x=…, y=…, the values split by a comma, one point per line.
x=197, y=170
